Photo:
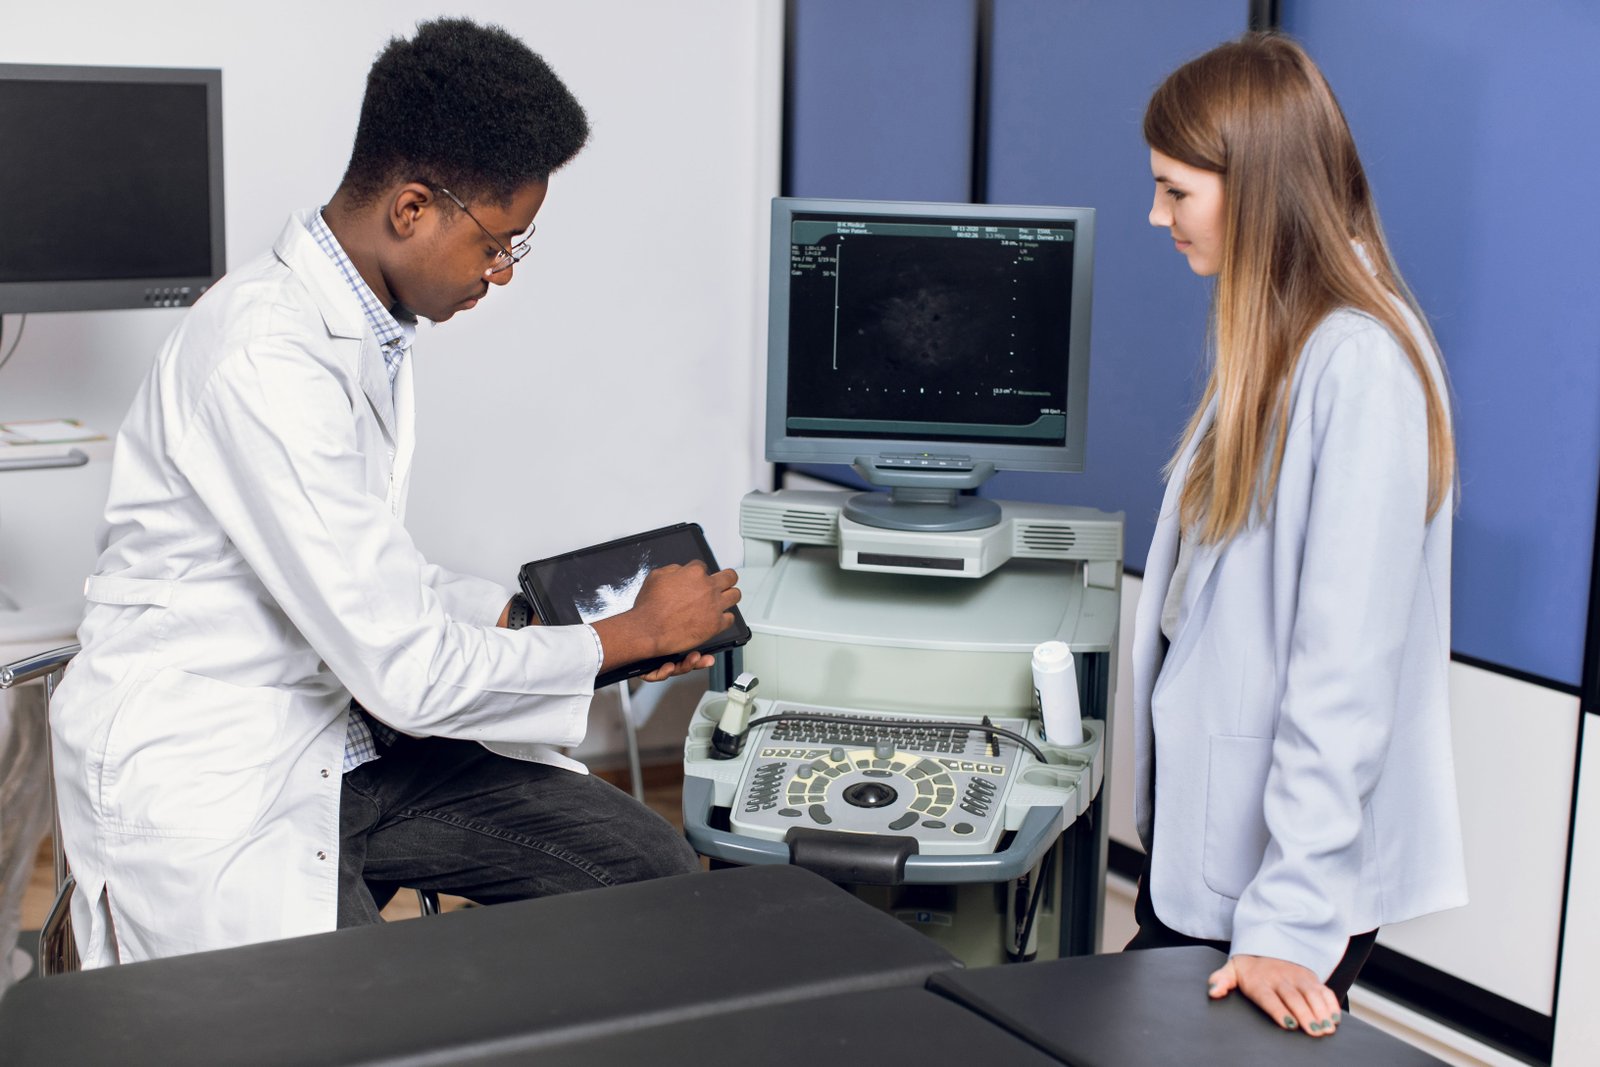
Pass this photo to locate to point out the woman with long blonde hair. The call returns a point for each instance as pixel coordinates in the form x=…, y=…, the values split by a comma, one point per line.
x=1295, y=790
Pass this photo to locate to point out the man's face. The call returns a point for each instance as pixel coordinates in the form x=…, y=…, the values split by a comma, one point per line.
x=450, y=263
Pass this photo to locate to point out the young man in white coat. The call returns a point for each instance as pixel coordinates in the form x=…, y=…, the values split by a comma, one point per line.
x=275, y=719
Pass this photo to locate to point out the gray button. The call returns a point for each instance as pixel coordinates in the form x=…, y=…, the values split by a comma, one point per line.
x=904, y=821
x=790, y=813
x=820, y=814
x=962, y=828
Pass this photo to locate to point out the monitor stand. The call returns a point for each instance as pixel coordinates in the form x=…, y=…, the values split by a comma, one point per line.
x=923, y=499
x=919, y=509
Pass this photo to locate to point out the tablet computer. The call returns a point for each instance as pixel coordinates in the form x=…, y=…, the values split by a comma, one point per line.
x=603, y=580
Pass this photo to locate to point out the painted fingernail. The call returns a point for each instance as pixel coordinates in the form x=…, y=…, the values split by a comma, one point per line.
x=1212, y=989
x=1288, y=1022
x=1338, y=1017
x=1327, y=1024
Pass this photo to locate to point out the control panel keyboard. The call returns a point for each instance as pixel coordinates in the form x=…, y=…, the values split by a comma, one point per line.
x=878, y=774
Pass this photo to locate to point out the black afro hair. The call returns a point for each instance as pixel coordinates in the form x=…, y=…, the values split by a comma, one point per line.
x=466, y=106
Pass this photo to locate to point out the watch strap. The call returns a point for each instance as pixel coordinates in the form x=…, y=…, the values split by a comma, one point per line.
x=519, y=613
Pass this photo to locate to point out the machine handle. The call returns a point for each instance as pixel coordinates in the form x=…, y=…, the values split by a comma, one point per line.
x=75, y=457
x=1039, y=830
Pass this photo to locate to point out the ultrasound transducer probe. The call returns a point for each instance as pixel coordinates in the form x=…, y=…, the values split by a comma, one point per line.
x=727, y=740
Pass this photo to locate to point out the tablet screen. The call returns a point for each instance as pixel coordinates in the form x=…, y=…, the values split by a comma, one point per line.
x=604, y=580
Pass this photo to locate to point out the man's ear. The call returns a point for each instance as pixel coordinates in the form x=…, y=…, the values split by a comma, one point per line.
x=408, y=206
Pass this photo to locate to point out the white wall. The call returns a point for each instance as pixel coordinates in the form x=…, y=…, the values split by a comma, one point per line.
x=613, y=385
x=1515, y=750
x=1577, y=1022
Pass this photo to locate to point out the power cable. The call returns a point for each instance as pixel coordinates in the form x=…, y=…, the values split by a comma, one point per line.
x=21, y=325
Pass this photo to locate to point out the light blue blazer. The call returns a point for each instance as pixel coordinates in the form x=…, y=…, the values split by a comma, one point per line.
x=1294, y=780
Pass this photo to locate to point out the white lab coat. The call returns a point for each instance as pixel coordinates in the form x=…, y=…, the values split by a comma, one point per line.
x=255, y=573
x=1292, y=746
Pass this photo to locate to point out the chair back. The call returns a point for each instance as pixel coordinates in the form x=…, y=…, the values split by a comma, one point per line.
x=58, y=952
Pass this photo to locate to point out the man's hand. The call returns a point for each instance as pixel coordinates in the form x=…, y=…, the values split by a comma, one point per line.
x=695, y=661
x=1292, y=996
x=679, y=607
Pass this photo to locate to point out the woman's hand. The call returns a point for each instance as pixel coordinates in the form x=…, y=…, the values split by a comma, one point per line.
x=1292, y=996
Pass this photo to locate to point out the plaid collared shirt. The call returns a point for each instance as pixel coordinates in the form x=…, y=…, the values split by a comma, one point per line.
x=365, y=734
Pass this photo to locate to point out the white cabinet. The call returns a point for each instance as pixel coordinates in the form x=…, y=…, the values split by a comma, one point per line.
x=49, y=526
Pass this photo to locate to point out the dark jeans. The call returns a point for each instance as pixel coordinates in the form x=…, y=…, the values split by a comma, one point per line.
x=453, y=817
x=1153, y=933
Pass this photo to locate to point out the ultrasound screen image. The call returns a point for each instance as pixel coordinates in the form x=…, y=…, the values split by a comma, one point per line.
x=603, y=581
x=954, y=330
x=606, y=585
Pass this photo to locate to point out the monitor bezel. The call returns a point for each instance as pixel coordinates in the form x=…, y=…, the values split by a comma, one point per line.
x=98, y=294
x=782, y=447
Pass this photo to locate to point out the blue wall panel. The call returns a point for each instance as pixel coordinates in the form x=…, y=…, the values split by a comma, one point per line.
x=1476, y=121
x=1068, y=92
x=881, y=104
x=1472, y=120
x=881, y=99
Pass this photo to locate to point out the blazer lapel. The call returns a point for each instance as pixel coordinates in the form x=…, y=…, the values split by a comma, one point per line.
x=1146, y=651
x=1158, y=567
x=1202, y=563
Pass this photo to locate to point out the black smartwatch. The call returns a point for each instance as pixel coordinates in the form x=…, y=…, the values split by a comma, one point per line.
x=519, y=613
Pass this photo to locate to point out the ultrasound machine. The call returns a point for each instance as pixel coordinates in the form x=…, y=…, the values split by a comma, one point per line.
x=881, y=727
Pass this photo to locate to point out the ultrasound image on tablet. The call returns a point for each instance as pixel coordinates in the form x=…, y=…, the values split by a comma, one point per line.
x=604, y=580
x=601, y=586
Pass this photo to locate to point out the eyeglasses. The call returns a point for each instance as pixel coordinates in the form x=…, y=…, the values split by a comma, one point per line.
x=506, y=258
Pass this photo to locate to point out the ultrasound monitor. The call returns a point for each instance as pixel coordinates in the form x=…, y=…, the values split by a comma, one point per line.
x=928, y=346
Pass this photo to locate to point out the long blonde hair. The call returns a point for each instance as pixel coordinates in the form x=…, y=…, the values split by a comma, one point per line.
x=1302, y=239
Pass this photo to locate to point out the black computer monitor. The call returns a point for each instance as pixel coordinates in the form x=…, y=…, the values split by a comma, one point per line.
x=928, y=345
x=112, y=181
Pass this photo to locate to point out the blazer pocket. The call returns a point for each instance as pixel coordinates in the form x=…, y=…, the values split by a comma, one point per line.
x=1236, y=825
x=186, y=756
